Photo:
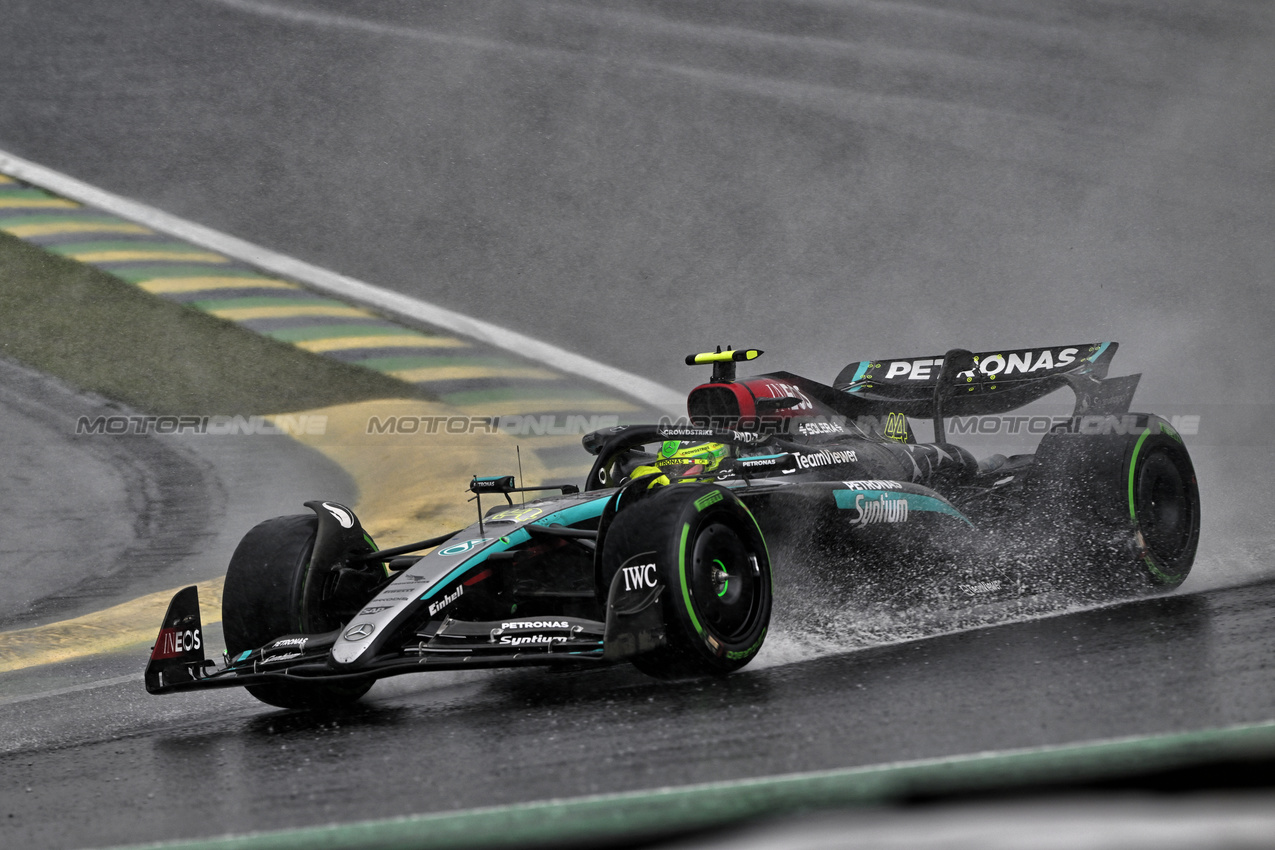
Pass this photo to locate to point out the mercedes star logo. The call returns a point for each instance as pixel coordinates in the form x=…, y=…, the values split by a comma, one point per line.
x=360, y=631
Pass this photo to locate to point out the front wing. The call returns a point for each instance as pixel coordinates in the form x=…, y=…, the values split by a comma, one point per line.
x=634, y=625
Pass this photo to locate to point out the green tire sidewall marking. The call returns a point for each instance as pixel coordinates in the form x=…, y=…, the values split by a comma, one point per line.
x=1147, y=560
x=385, y=565
x=708, y=499
x=1133, y=468
x=752, y=650
x=681, y=566
x=1158, y=572
x=686, y=590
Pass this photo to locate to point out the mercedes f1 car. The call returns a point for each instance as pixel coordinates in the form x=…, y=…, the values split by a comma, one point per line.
x=663, y=558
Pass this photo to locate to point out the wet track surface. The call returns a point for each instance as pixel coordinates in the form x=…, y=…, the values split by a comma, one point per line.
x=92, y=520
x=200, y=765
x=825, y=181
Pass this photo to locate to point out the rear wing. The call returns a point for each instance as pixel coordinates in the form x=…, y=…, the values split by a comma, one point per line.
x=1000, y=381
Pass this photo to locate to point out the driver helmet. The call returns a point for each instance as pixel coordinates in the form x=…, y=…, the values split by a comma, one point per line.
x=683, y=460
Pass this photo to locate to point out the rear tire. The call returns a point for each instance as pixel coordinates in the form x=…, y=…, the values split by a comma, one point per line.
x=1128, y=503
x=265, y=583
x=713, y=562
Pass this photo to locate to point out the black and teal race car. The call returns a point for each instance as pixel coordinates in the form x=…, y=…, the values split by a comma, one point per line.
x=666, y=554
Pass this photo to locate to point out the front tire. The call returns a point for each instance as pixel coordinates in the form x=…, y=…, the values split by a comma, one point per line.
x=712, y=559
x=262, y=600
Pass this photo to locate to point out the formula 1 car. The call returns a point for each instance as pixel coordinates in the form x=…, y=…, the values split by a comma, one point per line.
x=663, y=557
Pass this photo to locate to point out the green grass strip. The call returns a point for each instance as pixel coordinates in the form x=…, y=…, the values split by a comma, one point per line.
x=141, y=274
x=102, y=334
x=65, y=217
x=23, y=192
x=645, y=815
x=144, y=244
x=313, y=332
x=306, y=299
x=522, y=393
x=408, y=361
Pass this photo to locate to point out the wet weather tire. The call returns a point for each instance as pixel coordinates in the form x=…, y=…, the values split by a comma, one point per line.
x=712, y=559
x=1129, y=503
x=262, y=599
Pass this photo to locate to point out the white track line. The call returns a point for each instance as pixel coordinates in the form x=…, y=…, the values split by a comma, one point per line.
x=87, y=686
x=348, y=288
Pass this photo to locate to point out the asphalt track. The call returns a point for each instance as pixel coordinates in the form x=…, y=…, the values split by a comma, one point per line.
x=199, y=766
x=976, y=171
x=94, y=520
